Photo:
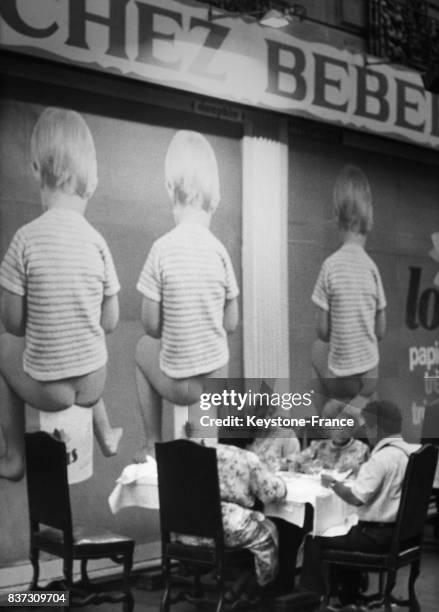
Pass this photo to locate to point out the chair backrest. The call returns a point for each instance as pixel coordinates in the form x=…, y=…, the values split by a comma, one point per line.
x=415, y=496
x=47, y=485
x=430, y=426
x=189, y=493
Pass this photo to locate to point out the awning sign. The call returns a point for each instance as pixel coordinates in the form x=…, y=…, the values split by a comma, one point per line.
x=174, y=44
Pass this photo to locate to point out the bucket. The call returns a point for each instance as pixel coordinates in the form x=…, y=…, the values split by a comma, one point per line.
x=74, y=426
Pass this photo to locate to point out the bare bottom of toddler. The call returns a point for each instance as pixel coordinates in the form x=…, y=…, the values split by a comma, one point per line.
x=356, y=390
x=18, y=389
x=153, y=386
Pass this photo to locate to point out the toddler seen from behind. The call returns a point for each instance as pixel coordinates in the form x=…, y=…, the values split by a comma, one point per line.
x=59, y=294
x=189, y=291
x=350, y=298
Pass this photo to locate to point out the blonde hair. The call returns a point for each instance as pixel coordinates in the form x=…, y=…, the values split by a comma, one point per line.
x=353, y=201
x=191, y=170
x=63, y=153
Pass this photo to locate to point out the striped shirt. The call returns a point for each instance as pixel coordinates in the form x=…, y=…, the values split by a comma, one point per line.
x=64, y=268
x=349, y=286
x=189, y=271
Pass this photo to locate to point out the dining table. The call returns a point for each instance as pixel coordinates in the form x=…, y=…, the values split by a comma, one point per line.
x=331, y=515
x=137, y=486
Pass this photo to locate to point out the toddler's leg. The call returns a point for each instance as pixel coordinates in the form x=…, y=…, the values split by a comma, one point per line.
x=368, y=383
x=319, y=363
x=151, y=414
x=212, y=383
x=182, y=391
x=46, y=396
x=355, y=392
x=11, y=434
x=17, y=388
x=107, y=436
x=152, y=385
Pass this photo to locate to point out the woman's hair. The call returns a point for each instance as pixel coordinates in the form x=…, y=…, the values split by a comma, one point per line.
x=191, y=170
x=353, y=201
x=63, y=153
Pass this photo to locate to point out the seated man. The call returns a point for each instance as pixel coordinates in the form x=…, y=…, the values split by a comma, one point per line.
x=376, y=492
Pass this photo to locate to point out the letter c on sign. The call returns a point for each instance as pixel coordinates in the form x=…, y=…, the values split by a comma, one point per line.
x=9, y=12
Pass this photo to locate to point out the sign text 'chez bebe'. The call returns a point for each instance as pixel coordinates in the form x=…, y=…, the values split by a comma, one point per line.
x=174, y=44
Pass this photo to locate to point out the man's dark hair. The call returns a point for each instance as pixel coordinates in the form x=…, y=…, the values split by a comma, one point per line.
x=385, y=414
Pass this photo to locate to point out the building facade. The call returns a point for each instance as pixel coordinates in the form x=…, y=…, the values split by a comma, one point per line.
x=284, y=111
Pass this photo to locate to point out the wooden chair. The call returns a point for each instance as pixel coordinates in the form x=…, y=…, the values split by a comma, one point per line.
x=49, y=506
x=430, y=435
x=190, y=504
x=406, y=542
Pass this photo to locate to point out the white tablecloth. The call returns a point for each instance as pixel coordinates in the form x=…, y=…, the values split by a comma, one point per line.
x=332, y=516
x=137, y=486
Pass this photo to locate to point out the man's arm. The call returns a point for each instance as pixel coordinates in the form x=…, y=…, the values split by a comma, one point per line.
x=13, y=312
x=346, y=494
x=341, y=490
x=368, y=482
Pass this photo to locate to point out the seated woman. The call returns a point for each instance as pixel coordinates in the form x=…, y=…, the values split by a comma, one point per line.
x=276, y=447
x=244, y=479
x=341, y=451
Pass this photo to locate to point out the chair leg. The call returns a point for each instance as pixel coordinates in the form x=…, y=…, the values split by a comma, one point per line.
x=197, y=589
x=85, y=581
x=128, y=604
x=326, y=571
x=166, y=600
x=390, y=583
x=34, y=559
x=381, y=584
x=221, y=587
x=68, y=575
x=68, y=571
x=436, y=522
x=413, y=600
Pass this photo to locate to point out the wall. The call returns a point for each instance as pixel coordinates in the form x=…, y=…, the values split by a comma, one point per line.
x=130, y=209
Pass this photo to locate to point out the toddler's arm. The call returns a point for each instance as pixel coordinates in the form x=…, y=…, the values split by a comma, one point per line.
x=13, y=312
x=152, y=317
x=231, y=315
x=110, y=313
x=380, y=324
x=323, y=325
x=380, y=315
